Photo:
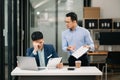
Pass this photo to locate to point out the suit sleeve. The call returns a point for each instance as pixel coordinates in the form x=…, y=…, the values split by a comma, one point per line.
x=53, y=51
x=29, y=52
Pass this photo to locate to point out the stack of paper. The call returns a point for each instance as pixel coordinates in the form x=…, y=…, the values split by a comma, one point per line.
x=78, y=53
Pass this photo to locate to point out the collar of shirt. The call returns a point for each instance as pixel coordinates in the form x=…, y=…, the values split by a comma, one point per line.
x=74, y=29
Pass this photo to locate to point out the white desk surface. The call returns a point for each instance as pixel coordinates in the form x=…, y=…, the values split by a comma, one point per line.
x=86, y=71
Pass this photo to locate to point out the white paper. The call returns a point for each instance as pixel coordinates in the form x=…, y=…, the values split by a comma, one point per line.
x=52, y=62
x=79, y=52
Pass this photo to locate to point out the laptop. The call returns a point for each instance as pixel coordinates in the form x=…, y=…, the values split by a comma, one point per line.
x=29, y=63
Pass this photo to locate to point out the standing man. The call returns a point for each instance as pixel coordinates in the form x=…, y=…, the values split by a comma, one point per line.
x=75, y=37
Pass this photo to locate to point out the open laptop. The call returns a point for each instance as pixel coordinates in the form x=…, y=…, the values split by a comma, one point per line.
x=29, y=63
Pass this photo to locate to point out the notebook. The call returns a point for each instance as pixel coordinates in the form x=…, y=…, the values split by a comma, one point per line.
x=29, y=63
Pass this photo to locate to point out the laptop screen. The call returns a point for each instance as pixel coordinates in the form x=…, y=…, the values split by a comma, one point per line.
x=29, y=63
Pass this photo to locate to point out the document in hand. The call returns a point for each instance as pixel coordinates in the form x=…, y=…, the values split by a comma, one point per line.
x=52, y=62
x=78, y=53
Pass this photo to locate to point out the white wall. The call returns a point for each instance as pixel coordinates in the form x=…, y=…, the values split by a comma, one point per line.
x=108, y=8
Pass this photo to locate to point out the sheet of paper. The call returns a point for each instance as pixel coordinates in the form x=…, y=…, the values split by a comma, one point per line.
x=79, y=52
x=53, y=62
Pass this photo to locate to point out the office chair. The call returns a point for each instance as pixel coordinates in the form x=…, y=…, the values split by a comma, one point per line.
x=112, y=61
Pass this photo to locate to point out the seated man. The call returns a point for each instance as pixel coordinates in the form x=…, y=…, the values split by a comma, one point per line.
x=42, y=52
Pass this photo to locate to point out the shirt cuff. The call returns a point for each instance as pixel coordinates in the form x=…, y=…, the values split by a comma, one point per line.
x=35, y=53
x=65, y=49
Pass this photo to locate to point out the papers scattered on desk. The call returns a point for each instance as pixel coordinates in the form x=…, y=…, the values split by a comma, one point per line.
x=78, y=53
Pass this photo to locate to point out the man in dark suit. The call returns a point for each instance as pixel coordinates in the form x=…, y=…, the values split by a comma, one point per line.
x=42, y=52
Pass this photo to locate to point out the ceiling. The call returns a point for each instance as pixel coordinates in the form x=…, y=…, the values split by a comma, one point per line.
x=38, y=3
x=64, y=6
x=41, y=5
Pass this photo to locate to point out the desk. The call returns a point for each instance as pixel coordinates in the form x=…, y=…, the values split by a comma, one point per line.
x=98, y=57
x=98, y=53
x=82, y=73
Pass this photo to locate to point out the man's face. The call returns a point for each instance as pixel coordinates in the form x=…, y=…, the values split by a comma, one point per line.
x=39, y=43
x=69, y=23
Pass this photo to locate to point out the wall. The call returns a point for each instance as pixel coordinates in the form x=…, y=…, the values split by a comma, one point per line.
x=109, y=8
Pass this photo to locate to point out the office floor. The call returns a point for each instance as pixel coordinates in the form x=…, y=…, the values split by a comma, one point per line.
x=112, y=76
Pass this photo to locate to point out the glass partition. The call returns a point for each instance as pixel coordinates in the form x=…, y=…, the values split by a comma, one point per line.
x=49, y=18
x=65, y=6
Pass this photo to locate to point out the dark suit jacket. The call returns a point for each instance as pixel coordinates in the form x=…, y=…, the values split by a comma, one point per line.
x=49, y=52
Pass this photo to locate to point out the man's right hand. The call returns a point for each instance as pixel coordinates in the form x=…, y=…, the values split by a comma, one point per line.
x=36, y=47
x=71, y=48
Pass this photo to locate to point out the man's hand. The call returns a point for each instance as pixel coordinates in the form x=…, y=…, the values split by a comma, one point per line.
x=36, y=46
x=60, y=65
x=87, y=46
x=71, y=48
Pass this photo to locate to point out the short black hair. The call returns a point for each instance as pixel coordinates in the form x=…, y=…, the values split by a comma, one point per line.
x=72, y=15
x=36, y=35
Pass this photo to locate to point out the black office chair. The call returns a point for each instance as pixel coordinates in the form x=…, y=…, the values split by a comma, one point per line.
x=112, y=62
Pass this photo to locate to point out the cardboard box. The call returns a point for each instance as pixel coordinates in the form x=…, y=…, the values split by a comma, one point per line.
x=91, y=12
